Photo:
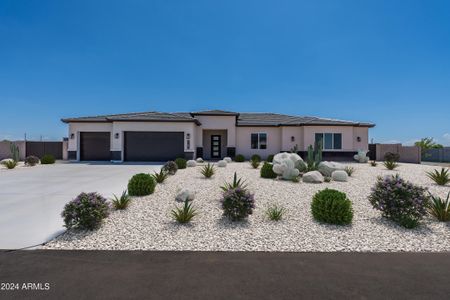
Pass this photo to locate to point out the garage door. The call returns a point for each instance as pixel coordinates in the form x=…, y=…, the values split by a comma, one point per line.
x=153, y=146
x=95, y=146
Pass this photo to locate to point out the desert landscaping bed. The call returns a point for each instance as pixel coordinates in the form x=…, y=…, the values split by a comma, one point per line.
x=146, y=224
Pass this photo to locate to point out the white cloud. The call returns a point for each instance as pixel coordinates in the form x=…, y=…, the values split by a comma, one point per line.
x=446, y=137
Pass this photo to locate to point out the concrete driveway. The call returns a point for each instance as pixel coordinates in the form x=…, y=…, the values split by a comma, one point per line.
x=32, y=198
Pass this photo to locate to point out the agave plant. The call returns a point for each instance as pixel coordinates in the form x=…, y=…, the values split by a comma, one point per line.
x=440, y=208
x=390, y=165
x=122, y=201
x=10, y=163
x=185, y=213
x=208, y=170
x=161, y=176
x=237, y=183
x=441, y=178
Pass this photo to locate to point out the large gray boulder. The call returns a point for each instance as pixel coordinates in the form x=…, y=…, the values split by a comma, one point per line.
x=191, y=163
x=221, y=163
x=199, y=160
x=285, y=165
x=312, y=177
x=227, y=159
x=339, y=175
x=326, y=168
x=185, y=194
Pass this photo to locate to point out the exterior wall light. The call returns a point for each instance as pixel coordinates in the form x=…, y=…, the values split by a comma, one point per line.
x=292, y=138
x=116, y=135
x=358, y=139
x=72, y=136
x=188, y=136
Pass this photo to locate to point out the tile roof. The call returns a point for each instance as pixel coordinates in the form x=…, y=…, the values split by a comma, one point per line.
x=243, y=119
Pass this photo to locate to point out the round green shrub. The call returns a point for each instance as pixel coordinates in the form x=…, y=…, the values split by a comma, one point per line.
x=256, y=157
x=333, y=207
x=267, y=171
x=170, y=167
x=239, y=158
x=86, y=211
x=141, y=185
x=31, y=160
x=270, y=158
x=181, y=163
x=47, y=159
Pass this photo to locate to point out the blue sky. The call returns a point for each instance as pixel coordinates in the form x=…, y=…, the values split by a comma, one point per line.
x=387, y=62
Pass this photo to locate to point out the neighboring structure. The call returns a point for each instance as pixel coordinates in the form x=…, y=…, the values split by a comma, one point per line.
x=157, y=136
x=408, y=154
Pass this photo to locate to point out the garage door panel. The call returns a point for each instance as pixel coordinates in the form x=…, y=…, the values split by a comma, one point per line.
x=153, y=146
x=95, y=146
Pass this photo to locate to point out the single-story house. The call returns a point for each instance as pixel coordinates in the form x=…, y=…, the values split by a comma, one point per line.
x=214, y=134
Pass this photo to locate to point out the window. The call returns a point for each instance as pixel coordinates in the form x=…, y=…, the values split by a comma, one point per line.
x=258, y=140
x=329, y=141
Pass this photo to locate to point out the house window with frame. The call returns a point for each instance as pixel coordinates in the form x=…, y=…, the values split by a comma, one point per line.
x=329, y=141
x=258, y=140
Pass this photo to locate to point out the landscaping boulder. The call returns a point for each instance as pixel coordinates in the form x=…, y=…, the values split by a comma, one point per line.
x=340, y=175
x=285, y=165
x=326, y=168
x=227, y=159
x=191, y=163
x=221, y=163
x=361, y=156
x=199, y=160
x=313, y=177
x=185, y=194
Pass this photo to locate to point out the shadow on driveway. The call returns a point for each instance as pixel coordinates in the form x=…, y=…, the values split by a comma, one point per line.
x=227, y=275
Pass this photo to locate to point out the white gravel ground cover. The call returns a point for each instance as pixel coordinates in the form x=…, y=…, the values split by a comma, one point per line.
x=147, y=224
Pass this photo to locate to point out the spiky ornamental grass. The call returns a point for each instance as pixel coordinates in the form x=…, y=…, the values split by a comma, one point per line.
x=185, y=213
x=440, y=178
x=275, y=212
x=237, y=183
x=349, y=170
x=373, y=163
x=390, y=165
x=255, y=163
x=86, y=211
x=208, y=170
x=121, y=202
x=440, y=208
x=399, y=200
x=160, y=176
x=10, y=164
x=237, y=204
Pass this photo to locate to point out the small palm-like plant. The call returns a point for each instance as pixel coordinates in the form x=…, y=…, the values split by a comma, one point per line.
x=121, y=202
x=185, y=213
x=161, y=176
x=275, y=212
x=440, y=178
x=255, y=163
x=349, y=170
x=10, y=163
x=208, y=170
x=440, y=208
x=373, y=163
x=237, y=183
x=390, y=164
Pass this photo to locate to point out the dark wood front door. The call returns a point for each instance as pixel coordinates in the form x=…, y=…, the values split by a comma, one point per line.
x=216, y=146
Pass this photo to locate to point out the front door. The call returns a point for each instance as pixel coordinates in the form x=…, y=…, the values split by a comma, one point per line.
x=216, y=145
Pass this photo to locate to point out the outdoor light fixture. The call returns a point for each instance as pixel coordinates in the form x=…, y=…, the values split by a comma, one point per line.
x=358, y=139
x=116, y=135
x=72, y=136
x=292, y=139
x=188, y=136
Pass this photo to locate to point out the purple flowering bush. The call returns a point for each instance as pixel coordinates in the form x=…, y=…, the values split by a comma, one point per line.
x=86, y=211
x=237, y=203
x=399, y=200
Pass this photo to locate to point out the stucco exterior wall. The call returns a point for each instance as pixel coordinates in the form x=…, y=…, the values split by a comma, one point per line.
x=346, y=131
x=227, y=123
x=5, y=150
x=243, y=141
x=287, y=132
x=363, y=133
